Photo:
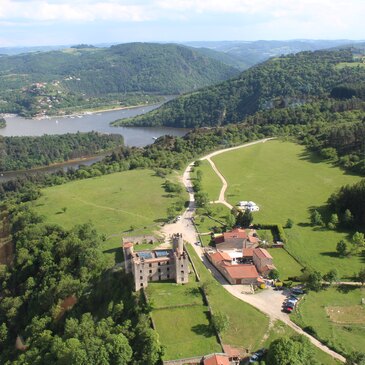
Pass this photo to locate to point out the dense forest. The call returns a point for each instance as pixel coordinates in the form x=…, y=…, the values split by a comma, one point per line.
x=20, y=153
x=33, y=82
x=61, y=304
x=280, y=82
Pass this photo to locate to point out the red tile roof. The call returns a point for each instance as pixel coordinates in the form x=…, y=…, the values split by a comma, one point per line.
x=127, y=244
x=220, y=256
x=268, y=268
x=262, y=253
x=253, y=239
x=241, y=271
x=216, y=360
x=235, y=233
x=247, y=252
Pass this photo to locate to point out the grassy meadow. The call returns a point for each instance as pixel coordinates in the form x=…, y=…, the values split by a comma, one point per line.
x=337, y=316
x=181, y=319
x=286, y=182
x=125, y=203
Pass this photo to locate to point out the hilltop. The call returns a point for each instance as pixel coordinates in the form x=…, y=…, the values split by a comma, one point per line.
x=279, y=82
x=43, y=82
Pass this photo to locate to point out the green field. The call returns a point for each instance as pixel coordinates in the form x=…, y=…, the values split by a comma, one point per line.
x=114, y=203
x=181, y=319
x=331, y=314
x=247, y=325
x=285, y=264
x=185, y=332
x=211, y=183
x=286, y=182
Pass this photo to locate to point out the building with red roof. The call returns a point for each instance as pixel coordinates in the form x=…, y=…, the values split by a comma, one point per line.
x=216, y=359
x=263, y=261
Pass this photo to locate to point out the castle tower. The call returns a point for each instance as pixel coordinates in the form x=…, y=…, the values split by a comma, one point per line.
x=178, y=243
x=128, y=255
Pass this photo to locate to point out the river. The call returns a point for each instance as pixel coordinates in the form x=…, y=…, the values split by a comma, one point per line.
x=99, y=122
x=133, y=136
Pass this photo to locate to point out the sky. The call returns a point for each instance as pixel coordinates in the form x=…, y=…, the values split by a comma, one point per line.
x=64, y=22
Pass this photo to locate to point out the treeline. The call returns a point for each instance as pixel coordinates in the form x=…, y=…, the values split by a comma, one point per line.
x=350, y=198
x=280, y=82
x=79, y=75
x=18, y=153
x=60, y=304
x=2, y=122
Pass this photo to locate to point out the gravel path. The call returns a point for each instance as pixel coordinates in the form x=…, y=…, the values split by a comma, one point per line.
x=268, y=301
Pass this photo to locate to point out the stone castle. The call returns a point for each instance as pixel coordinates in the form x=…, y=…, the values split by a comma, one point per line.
x=157, y=265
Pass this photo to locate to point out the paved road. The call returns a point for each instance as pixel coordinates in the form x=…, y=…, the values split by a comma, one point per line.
x=269, y=301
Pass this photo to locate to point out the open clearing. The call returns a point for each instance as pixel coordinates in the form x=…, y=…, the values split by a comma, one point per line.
x=181, y=319
x=286, y=182
x=113, y=203
x=339, y=328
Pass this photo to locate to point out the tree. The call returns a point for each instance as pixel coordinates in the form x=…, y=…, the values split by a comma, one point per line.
x=230, y=221
x=316, y=218
x=244, y=219
x=220, y=321
x=358, y=239
x=331, y=276
x=341, y=248
x=347, y=218
x=361, y=276
x=289, y=223
x=314, y=281
x=295, y=350
x=274, y=274
x=334, y=219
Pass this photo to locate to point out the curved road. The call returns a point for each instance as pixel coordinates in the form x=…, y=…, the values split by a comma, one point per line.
x=269, y=301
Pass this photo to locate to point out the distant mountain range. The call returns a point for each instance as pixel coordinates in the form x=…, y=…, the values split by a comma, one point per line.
x=85, y=71
x=244, y=54
x=277, y=83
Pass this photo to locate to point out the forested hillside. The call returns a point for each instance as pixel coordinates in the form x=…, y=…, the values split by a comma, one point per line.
x=20, y=153
x=33, y=81
x=280, y=82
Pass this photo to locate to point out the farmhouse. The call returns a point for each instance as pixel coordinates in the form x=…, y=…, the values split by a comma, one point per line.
x=157, y=265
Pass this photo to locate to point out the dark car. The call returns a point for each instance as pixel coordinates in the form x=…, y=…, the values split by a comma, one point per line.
x=257, y=356
x=297, y=291
x=288, y=309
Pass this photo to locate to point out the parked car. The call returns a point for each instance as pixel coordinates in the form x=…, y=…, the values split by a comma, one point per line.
x=289, y=305
x=257, y=356
x=288, y=309
x=298, y=291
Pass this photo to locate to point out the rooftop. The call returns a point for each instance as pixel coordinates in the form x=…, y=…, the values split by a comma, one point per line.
x=220, y=256
x=262, y=253
x=216, y=359
x=241, y=271
x=153, y=254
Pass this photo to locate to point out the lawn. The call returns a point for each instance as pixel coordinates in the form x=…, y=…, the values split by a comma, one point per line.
x=211, y=183
x=285, y=264
x=286, y=182
x=336, y=315
x=247, y=325
x=181, y=319
x=185, y=332
x=114, y=203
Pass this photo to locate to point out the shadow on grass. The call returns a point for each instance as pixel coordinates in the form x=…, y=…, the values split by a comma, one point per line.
x=193, y=291
x=118, y=254
x=204, y=330
x=331, y=254
x=304, y=224
x=344, y=289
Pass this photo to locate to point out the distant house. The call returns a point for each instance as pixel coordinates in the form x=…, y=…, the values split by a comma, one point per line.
x=263, y=261
x=248, y=205
x=156, y=265
x=236, y=239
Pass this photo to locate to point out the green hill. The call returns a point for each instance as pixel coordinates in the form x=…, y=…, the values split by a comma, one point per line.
x=280, y=82
x=71, y=76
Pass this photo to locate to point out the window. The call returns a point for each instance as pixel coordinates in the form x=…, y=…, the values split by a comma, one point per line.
x=140, y=271
x=141, y=278
x=159, y=264
x=159, y=270
x=168, y=276
x=182, y=271
x=150, y=265
x=182, y=265
x=141, y=284
x=182, y=279
x=168, y=269
x=150, y=271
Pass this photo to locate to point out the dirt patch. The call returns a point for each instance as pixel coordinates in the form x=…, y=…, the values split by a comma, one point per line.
x=65, y=305
x=346, y=315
